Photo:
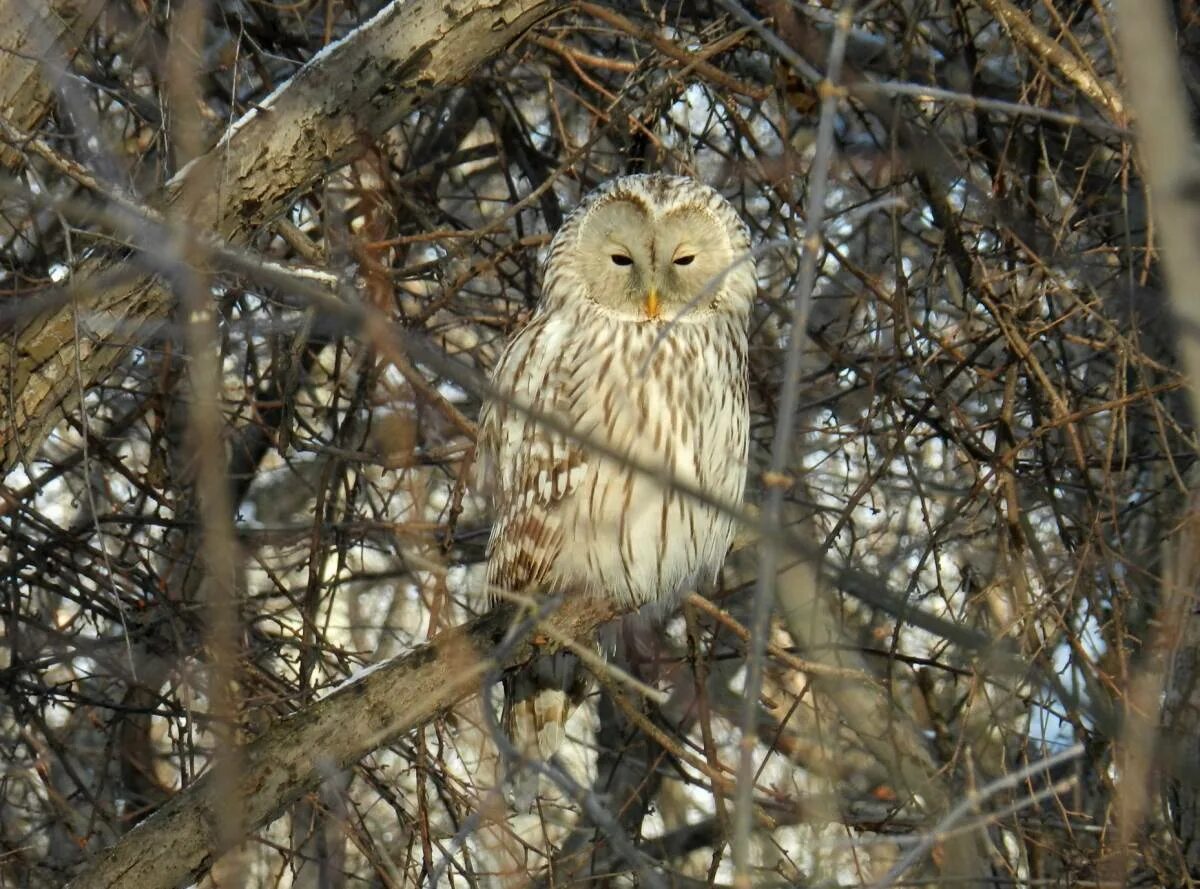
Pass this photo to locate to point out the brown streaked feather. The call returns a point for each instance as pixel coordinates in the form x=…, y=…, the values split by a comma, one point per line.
x=670, y=395
x=530, y=476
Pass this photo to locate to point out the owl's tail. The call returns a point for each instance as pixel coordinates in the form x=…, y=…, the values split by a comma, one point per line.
x=539, y=698
x=539, y=722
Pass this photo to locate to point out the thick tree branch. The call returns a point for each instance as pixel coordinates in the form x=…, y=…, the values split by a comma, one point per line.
x=1166, y=143
x=35, y=39
x=316, y=122
x=179, y=841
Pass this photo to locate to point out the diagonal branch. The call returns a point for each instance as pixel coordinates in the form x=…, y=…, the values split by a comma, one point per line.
x=179, y=842
x=35, y=38
x=319, y=120
x=1041, y=46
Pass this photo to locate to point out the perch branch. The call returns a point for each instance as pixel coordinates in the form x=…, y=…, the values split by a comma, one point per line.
x=178, y=843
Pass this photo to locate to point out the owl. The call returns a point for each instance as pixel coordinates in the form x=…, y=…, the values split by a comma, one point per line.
x=638, y=344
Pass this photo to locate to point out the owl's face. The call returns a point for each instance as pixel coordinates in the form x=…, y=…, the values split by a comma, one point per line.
x=659, y=248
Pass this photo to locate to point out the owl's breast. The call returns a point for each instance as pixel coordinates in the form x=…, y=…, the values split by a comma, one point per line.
x=673, y=403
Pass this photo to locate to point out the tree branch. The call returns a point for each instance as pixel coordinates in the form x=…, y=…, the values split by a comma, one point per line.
x=178, y=843
x=319, y=120
x=35, y=39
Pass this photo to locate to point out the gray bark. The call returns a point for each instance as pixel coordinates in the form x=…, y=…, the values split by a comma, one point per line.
x=317, y=122
x=36, y=39
x=180, y=840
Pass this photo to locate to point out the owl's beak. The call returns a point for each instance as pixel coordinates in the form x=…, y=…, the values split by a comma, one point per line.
x=653, y=309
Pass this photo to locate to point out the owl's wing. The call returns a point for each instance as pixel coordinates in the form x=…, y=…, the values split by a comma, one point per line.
x=526, y=468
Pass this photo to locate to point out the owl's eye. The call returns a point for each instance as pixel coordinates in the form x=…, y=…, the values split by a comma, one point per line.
x=684, y=260
x=621, y=259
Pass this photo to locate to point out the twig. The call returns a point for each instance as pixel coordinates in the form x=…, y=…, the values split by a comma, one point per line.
x=1042, y=47
x=781, y=451
x=972, y=801
x=691, y=60
x=785, y=657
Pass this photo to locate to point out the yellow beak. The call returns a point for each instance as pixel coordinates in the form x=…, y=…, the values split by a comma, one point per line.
x=652, y=306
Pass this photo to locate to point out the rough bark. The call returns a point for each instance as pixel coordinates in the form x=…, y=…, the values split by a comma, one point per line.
x=179, y=841
x=35, y=40
x=318, y=121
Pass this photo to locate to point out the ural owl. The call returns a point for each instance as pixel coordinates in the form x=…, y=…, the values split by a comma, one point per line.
x=638, y=344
